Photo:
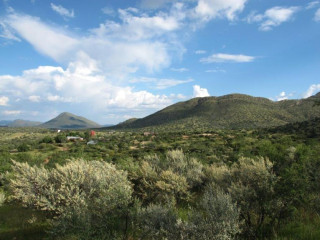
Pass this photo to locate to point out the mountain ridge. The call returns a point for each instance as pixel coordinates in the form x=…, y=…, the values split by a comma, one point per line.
x=230, y=111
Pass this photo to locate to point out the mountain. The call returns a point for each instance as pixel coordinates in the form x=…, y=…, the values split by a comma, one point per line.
x=69, y=121
x=19, y=123
x=5, y=123
x=230, y=111
x=23, y=123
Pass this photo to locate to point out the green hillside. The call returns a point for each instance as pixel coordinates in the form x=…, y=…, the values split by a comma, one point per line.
x=69, y=121
x=23, y=123
x=229, y=112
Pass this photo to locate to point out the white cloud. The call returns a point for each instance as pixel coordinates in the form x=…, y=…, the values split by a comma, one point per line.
x=200, y=52
x=317, y=16
x=11, y=112
x=160, y=83
x=217, y=70
x=200, y=92
x=49, y=41
x=313, y=89
x=6, y=32
x=138, y=26
x=222, y=57
x=283, y=96
x=83, y=84
x=273, y=17
x=209, y=9
x=34, y=98
x=180, y=69
x=4, y=101
x=62, y=11
x=313, y=4
x=56, y=98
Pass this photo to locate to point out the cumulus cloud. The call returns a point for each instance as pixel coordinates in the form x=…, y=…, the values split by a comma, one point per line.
x=209, y=9
x=317, y=16
x=222, y=57
x=82, y=84
x=4, y=101
x=283, y=96
x=313, y=89
x=273, y=17
x=200, y=92
x=62, y=11
x=98, y=65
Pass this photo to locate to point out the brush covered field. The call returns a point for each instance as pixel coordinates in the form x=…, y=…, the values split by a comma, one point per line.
x=197, y=184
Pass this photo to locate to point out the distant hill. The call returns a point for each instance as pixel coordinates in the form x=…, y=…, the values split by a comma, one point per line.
x=5, y=123
x=19, y=123
x=228, y=112
x=69, y=121
x=23, y=123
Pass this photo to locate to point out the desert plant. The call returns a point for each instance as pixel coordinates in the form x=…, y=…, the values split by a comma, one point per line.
x=217, y=217
x=84, y=196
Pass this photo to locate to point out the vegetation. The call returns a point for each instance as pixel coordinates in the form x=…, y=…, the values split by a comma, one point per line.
x=233, y=111
x=184, y=184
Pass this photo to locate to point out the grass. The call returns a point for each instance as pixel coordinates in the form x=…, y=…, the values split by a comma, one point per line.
x=303, y=227
x=20, y=223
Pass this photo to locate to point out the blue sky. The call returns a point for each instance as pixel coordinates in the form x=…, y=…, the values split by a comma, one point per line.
x=110, y=60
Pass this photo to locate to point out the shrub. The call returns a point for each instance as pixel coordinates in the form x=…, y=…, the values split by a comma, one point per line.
x=23, y=147
x=85, y=197
x=250, y=182
x=168, y=179
x=157, y=222
x=217, y=216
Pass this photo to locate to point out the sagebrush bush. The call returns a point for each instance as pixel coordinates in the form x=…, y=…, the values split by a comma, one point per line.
x=84, y=196
x=168, y=179
x=250, y=183
x=217, y=217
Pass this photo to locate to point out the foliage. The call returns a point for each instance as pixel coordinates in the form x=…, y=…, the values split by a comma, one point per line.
x=234, y=111
x=168, y=179
x=217, y=216
x=84, y=196
x=158, y=222
x=250, y=182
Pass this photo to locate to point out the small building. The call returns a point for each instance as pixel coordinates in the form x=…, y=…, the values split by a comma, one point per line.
x=74, y=138
x=91, y=142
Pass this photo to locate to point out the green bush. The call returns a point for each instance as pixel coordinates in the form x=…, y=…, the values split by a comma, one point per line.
x=217, y=216
x=85, y=197
x=250, y=182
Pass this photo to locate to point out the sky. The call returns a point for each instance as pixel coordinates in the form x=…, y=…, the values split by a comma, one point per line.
x=111, y=60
